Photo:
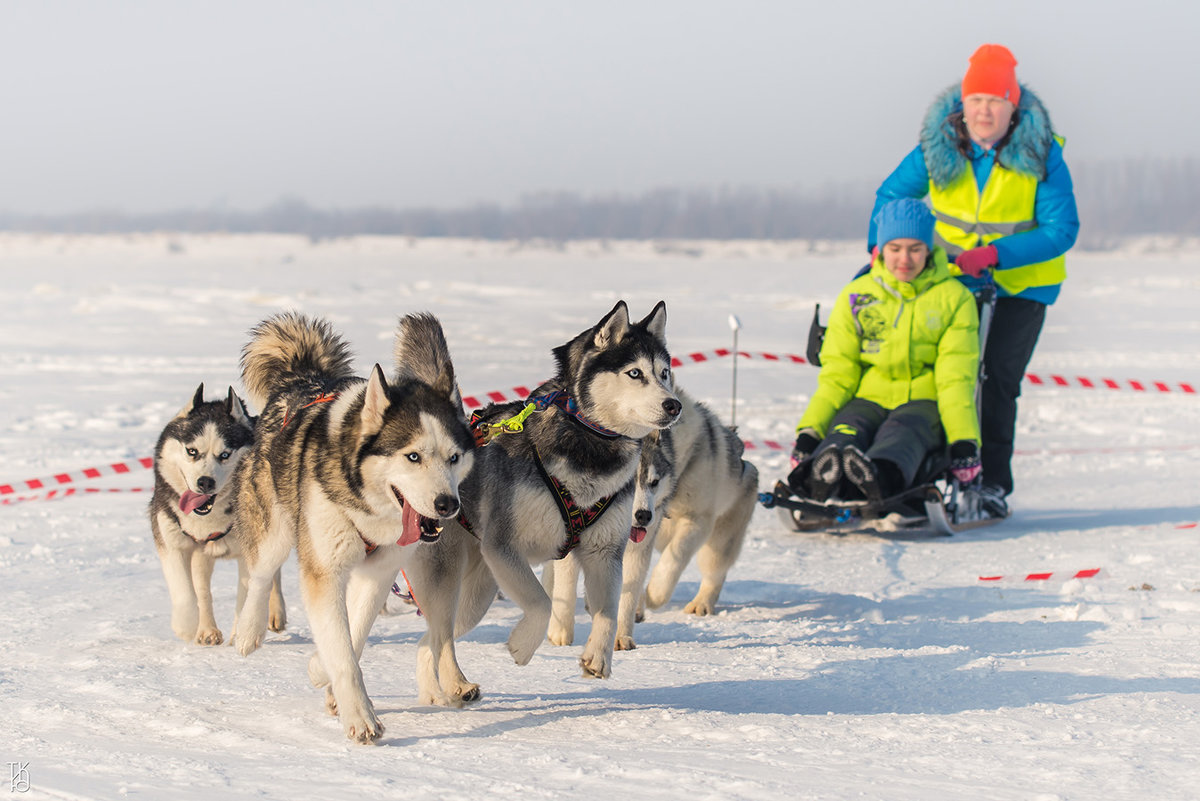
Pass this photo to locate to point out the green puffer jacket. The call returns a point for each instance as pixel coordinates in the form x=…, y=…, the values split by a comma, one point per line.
x=892, y=342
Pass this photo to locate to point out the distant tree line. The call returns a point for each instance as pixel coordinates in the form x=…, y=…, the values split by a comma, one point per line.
x=1116, y=199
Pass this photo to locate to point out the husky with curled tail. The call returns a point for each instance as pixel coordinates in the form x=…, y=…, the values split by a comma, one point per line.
x=555, y=478
x=191, y=510
x=350, y=472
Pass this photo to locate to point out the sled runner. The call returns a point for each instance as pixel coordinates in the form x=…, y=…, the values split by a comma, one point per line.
x=941, y=507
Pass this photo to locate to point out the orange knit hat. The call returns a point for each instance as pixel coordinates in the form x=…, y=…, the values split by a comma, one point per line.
x=992, y=72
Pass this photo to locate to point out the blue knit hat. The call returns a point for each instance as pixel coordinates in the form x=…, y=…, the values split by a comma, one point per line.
x=904, y=218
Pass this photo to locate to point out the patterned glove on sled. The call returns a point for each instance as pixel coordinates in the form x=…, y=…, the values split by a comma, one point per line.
x=973, y=262
x=964, y=461
x=806, y=442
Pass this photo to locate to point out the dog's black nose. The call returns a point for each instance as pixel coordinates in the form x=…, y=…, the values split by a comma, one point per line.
x=445, y=505
x=206, y=484
x=642, y=517
x=672, y=407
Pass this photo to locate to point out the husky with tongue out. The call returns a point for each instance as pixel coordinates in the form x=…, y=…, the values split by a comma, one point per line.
x=191, y=510
x=352, y=473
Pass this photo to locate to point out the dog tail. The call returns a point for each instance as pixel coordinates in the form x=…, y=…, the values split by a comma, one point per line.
x=421, y=353
x=290, y=346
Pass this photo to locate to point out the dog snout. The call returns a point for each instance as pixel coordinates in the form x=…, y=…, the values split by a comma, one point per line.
x=642, y=517
x=206, y=484
x=672, y=406
x=445, y=505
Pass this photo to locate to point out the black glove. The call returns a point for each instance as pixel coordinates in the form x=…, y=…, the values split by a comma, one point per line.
x=964, y=460
x=806, y=442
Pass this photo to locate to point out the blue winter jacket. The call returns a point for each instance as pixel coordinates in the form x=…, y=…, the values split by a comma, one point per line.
x=1054, y=206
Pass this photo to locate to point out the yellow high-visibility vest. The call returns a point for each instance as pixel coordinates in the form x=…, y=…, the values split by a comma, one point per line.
x=967, y=218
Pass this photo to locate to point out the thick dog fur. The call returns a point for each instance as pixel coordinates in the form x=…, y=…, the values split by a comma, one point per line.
x=694, y=496
x=619, y=373
x=191, y=510
x=344, y=469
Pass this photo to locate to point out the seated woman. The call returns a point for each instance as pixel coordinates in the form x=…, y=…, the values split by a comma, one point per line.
x=898, y=370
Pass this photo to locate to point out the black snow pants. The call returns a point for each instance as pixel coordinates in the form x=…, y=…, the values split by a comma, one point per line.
x=1016, y=324
x=902, y=436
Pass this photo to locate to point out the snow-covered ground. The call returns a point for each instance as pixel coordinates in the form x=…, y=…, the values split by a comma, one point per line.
x=837, y=667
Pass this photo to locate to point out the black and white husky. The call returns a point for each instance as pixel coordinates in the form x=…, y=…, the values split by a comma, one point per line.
x=556, y=478
x=348, y=471
x=693, y=496
x=191, y=510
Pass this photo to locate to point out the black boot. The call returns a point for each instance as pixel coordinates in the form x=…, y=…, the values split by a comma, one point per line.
x=825, y=474
x=862, y=473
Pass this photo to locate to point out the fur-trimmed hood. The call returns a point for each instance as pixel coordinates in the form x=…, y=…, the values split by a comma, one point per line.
x=1025, y=151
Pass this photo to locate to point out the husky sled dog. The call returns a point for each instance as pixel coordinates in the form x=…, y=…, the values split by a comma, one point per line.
x=348, y=470
x=693, y=496
x=191, y=510
x=558, y=480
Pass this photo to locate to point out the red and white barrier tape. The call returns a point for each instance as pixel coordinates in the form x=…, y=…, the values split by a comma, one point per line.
x=1107, y=383
x=60, y=479
x=55, y=494
x=1081, y=574
x=8, y=491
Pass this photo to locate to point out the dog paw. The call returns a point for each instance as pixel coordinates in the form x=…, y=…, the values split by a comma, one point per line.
x=330, y=703
x=624, y=643
x=278, y=621
x=246, y=643
x=525, y=638
x=457, y=698
x=209, y=637
x=184, y=625
x=595, y=665
x=362, y=728
x=639, y=616
x=560, y=635
x=699, y=606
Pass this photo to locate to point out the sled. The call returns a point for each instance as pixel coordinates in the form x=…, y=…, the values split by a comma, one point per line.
x=938, y=508
x=937, y=505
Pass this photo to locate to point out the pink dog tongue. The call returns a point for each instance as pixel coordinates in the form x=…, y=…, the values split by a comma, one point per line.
x=191, y=501
x=637, y=534
x=412, y=526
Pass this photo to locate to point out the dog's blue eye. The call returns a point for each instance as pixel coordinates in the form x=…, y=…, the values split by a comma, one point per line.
x=415, y=458
x=666, y=373
x=454, y=459
x=634, y=373
x=223, y=456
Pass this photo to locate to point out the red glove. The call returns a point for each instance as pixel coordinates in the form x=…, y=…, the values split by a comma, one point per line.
x=973, y=262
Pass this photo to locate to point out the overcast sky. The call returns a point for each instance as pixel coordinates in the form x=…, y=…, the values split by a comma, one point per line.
x=147, y=106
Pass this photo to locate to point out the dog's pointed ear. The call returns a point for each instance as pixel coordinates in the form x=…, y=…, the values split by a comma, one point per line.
x=613, y=327
x=656, y=322
x=446, y=386
x=237, y=409
x=196, y=400
x=375, y=402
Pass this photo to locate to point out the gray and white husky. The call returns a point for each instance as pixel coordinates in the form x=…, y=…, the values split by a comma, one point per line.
x=348, y=471
x=191, y=510
x=561, y=484
x=693, y=496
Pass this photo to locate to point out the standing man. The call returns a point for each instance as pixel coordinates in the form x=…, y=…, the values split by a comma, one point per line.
x=993, y=169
